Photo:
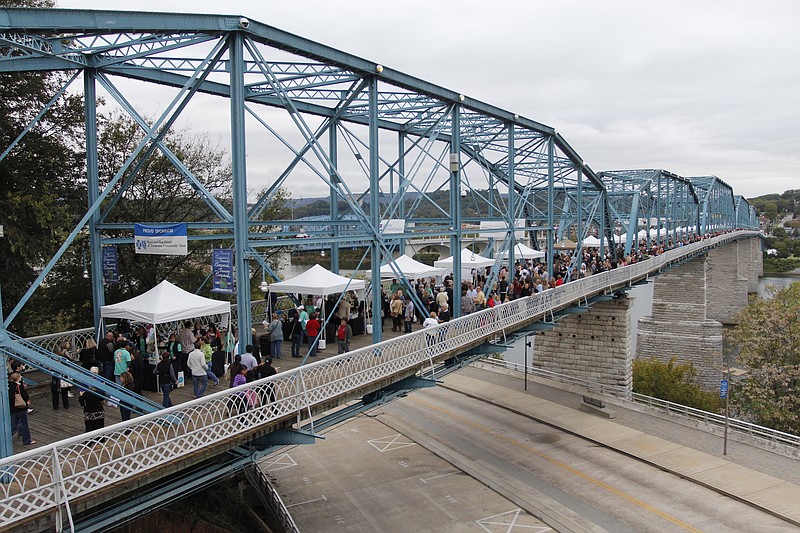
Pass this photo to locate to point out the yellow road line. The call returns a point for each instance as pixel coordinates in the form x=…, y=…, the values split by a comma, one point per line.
x=622, y=494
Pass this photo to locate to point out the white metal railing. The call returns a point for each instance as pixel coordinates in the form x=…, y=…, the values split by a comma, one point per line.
x=43, y=480
x=683, y=411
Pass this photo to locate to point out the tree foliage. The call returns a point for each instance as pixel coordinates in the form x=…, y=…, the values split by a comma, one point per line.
x=672, y=382
x=767, y=341
x=40, y=178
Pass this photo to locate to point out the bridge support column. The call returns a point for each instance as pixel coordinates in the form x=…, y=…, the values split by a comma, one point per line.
x=727, y=272
x=594, y=346
x=679, y=326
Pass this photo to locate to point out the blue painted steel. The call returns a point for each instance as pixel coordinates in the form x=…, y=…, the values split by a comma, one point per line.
x=239, y=168
x=455, y=208
x=93, y=191
x=374, y=196
x=32, y=354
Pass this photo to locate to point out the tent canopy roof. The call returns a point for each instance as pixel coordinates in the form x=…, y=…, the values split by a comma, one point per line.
x=165, y=303
x=317, y=280
x=410, y=267
x=469, y=260
x=524, y=252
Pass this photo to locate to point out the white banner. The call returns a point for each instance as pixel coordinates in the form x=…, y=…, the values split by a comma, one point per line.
x=494, y=224
x=393, y=225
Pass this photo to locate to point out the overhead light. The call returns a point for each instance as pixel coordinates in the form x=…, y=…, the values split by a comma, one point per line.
x=85, y=274
x=263, y=286
x=461, y=97
x=322, y=253
x=378, y=68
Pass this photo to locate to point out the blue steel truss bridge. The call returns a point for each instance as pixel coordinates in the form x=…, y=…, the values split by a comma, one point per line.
x=383, y=145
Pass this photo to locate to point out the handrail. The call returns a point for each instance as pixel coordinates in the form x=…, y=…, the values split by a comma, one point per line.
x=117, y=454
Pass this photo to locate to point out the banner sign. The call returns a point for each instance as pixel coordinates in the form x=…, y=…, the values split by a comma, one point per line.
x=519, y=226
x=161, y=239
x=393, y=225
x=110, y=265
x=222, y=270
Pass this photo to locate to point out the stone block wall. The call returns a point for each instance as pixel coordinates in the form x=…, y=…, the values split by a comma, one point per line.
x=594, y=346
x=698, y=342
x=726, y=281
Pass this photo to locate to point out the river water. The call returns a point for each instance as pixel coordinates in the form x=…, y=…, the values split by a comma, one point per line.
x=642, y=296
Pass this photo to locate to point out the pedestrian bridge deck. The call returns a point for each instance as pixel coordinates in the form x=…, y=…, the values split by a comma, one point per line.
x=81, y=471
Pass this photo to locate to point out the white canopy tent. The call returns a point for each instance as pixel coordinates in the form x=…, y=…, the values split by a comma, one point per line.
x=469, y=260
x=410, y=267
x=166, y=303
x=318, y=280
x=524, y=252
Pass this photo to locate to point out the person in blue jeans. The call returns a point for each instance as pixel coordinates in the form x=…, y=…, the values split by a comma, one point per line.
x=199, y=369
x=19, y=415
x=275, y=331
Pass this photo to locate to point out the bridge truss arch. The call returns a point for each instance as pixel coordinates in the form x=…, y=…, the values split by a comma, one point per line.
x=378, y=143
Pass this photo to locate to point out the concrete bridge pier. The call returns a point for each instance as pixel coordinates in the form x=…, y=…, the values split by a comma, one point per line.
x=594, y=346
x=693, y=301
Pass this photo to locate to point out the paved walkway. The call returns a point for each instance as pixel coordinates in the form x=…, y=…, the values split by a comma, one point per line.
x=770, y=493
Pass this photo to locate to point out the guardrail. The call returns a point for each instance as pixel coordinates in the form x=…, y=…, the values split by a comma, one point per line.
x=47, y=479
x=690, y=413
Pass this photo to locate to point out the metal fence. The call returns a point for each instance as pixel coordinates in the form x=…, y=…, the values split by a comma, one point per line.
x=689, y=413
x=47, y=479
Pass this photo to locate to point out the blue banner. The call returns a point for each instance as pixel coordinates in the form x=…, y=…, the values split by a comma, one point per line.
x=110, y=265
x=161, y=239
x=222, y=270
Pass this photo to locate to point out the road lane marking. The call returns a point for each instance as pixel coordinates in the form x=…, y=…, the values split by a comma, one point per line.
x=622, y=494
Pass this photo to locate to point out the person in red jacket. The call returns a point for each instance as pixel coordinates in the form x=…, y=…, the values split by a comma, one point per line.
x=312, y=330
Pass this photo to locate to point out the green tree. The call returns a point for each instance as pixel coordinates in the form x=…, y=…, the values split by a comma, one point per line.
x=672, y=382
x=41, y=178
x=767, y=341
x=159, y=192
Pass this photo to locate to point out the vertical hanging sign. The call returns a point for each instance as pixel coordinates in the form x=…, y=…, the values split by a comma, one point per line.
x=161, y=239
x=110, y=265
x=222, y=270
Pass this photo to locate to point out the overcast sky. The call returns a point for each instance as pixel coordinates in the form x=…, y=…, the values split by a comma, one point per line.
x=694, y=87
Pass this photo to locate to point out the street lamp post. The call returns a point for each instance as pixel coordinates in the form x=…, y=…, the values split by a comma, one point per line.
x=726, y=386
x=527, y=345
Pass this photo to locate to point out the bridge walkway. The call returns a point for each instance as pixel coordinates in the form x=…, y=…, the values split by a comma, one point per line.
x=77, y=472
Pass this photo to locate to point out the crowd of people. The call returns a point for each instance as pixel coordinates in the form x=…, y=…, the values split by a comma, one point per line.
x=527, y=277
x=205, y=354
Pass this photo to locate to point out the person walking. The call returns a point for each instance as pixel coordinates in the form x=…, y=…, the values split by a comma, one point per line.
x=312, y=330
x=197, y=365
x=122, y=360
x=408, y=316
x=166, y=378
x=343, y=335
x=295, y=334
x=275, y=332
x=19, y=402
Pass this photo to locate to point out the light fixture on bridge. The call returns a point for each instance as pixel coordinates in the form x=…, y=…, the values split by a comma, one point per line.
x=378, y=68
x=263, y=286
x=322, y=253
x=461, y=97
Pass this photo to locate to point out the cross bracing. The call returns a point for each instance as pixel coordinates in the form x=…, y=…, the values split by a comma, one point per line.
x=380, y=144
